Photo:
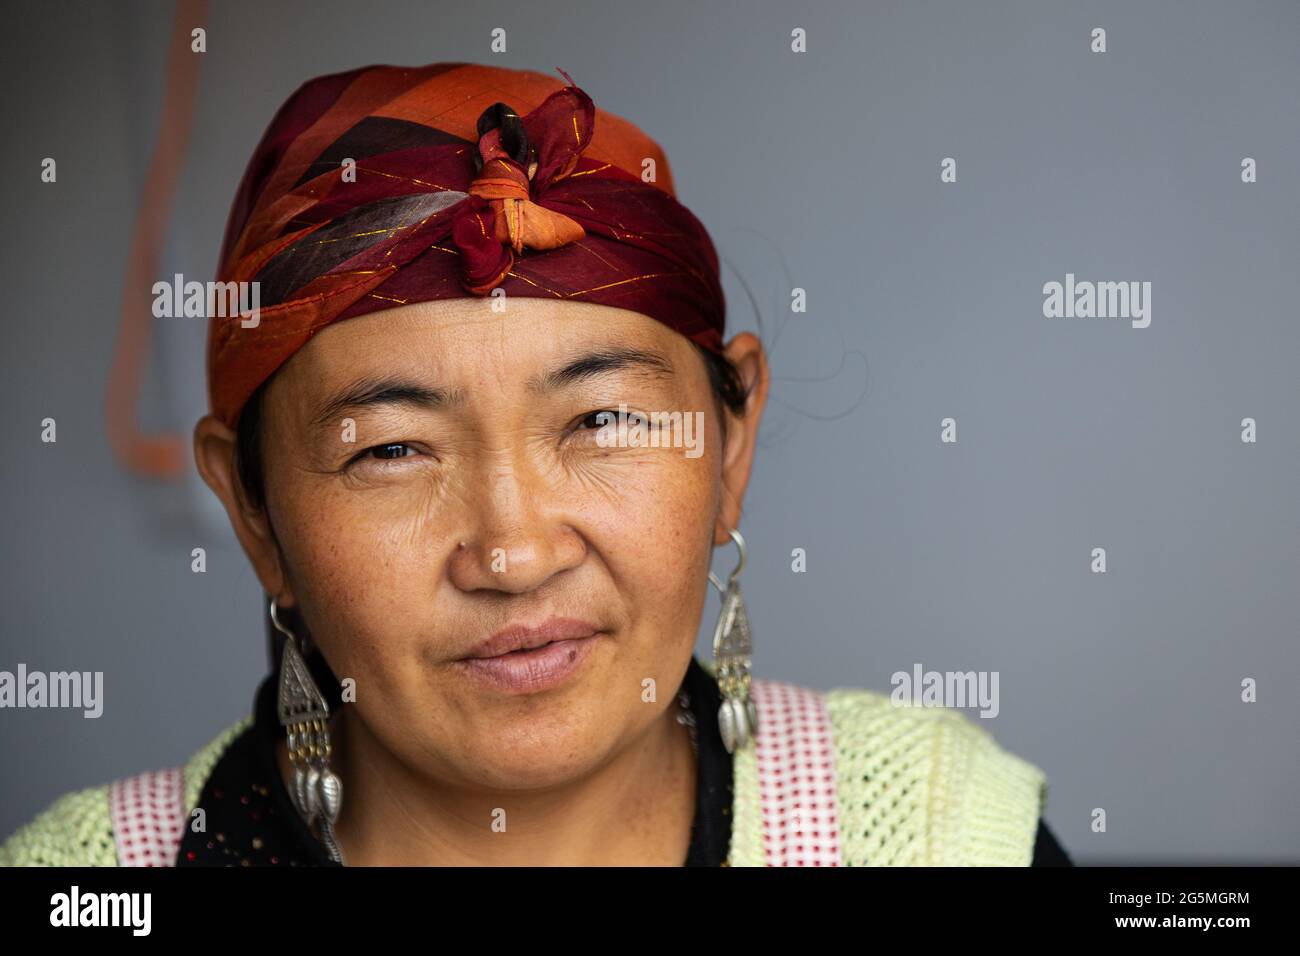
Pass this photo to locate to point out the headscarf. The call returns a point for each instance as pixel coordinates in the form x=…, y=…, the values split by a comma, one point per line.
x=467, y=179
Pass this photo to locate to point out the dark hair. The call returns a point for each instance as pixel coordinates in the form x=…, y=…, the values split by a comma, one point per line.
x=724, y=378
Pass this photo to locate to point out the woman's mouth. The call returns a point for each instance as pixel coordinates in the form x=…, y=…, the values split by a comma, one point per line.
x=525, y=659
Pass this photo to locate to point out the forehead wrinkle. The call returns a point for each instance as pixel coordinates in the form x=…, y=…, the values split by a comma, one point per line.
x=385, y=390
x=604, y=361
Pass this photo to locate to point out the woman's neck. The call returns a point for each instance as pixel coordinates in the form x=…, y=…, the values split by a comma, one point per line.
x=636, y=809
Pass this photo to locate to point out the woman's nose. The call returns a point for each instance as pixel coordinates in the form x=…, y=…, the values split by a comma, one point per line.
x=519, y=535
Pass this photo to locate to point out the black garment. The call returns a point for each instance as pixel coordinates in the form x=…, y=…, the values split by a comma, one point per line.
x=1047, y=851
x=250, y=820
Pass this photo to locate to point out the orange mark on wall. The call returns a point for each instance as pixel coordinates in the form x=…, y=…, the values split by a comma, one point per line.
x=158, y=455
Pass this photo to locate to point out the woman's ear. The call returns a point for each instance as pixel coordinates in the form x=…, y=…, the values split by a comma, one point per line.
x=745, y=352
x=214, y=454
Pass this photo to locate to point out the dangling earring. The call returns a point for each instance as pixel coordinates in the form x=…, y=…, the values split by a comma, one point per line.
x=732, y=650
x=316, y=792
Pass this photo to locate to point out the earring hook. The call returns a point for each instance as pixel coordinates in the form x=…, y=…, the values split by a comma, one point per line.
x=740, y=545
x=275, y=620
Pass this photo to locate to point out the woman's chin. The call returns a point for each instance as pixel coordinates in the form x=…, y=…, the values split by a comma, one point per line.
x=542, y=741
x=525, y=760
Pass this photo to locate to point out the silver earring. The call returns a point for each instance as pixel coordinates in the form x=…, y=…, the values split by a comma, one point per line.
x=733, y=648
x=316, y=792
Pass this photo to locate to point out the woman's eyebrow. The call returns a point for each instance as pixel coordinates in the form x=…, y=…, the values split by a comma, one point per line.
x=376, y=392
x=389, y=390
x=602, y=362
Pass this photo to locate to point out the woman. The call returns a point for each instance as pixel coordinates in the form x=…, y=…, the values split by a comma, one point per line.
x=479, y=443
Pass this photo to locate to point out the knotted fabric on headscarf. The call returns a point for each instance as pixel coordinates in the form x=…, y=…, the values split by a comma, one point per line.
x=467, y=178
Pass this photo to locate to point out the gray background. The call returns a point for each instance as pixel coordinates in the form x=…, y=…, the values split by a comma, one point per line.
x=817, y=170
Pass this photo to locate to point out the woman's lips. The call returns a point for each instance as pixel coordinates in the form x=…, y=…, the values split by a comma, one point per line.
x=525, y=658
x=531, y=671
x=521, y=637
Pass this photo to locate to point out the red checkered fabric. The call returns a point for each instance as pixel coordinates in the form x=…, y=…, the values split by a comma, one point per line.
x=796, y=776
x=148, y=813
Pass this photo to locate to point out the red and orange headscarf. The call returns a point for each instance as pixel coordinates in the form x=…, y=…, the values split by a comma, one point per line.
x=467, y=178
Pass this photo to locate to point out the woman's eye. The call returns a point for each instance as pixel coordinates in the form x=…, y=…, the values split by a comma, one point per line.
x=390, y=458
x=598, y=419
x=389, y=451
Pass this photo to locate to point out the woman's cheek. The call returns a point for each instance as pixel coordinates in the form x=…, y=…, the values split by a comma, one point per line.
x=654, y=533
x=362, y=558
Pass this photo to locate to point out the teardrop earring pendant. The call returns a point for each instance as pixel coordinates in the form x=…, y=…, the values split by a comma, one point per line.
x=733, y=650
x=316, y=792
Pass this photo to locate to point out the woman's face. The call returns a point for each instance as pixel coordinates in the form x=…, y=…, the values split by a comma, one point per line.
x=437, y=475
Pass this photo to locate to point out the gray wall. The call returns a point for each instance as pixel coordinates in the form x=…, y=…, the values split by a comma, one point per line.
x=818, y=170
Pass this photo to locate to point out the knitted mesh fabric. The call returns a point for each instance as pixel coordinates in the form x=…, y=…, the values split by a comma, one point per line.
x=72, y=831
x=747, y=847
x=926, y=786
x=76, y=829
